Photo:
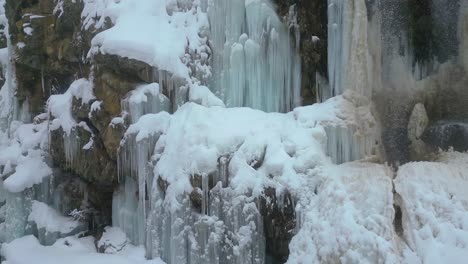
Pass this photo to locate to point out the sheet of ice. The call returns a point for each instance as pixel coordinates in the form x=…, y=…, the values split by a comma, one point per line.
x=146, y=32
x=434, y=205
x=344, y=215
x=46, y=217
x=72, y=250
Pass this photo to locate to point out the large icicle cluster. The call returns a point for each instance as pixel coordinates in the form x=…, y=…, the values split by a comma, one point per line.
x=254, y=62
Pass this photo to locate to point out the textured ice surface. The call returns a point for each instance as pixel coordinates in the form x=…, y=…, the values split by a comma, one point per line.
x=434, y=204
x=345, y=215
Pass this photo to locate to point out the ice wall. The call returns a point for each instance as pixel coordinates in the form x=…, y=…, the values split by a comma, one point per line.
x=255, y=63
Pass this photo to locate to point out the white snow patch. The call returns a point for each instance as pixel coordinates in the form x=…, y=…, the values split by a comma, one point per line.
x=202, y=95
x=140, y=94
x=28, y=30
x=60, y=105
x=70, y=250
x=96, y=106
x=146, y=32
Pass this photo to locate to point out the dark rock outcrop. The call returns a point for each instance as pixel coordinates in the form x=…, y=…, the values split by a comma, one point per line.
x=279, y=222
x=50, y=48
x=447, y=134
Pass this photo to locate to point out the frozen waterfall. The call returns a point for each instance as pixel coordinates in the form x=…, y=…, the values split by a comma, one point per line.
x=255, y=63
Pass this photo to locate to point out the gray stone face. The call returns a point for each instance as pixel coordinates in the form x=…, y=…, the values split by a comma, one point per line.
x=446, y=134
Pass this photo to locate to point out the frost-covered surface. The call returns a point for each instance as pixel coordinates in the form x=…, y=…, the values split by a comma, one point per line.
x=434, y=203
x=349, y=215
x=46, y=217
x=27, y=250
x=345, y=215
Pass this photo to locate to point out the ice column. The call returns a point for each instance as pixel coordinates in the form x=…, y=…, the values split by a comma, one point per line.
x=129, y=205
x=349, y=59
x=254, y=62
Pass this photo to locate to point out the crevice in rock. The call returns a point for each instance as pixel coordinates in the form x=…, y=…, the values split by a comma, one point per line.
x=398, y=217
x=279, y=223
x=398, y=220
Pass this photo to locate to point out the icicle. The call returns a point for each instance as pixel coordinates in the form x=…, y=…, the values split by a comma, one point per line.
x=205, y=194
x=345, y=144
x=229, y=230
x=71, y=147
x=259, y=70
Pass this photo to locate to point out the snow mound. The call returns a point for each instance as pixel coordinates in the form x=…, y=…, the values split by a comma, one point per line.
x=22, y=156
x=202, y=95
x=345, y=215
x=434, y=204
x=71, y=250
x=30, y=170
x=46, y=217
x=60, y=105
x=147, y=32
